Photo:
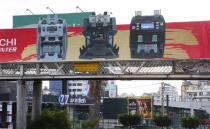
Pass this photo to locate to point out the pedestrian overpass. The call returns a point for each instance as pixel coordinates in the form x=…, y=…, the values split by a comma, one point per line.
x=118, y=70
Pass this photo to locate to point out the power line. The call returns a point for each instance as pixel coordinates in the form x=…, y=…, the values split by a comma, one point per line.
x=136, y=86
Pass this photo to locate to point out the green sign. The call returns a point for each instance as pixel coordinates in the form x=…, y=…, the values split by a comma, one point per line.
x=72, y=19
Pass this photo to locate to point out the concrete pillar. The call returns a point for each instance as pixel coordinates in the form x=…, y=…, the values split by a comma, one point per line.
x=9, y=115
x=1, y=113
x=71, y=111
x=21, y=104
x=64, y=87
x=37, y=99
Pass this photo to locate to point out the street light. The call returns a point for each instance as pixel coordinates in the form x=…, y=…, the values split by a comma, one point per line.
x=50, y=9
x=77, y=7
x=30, y=11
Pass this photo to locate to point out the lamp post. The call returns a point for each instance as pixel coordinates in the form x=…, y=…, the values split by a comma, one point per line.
x=28, y=10
x=77, y=7
x=50, y=10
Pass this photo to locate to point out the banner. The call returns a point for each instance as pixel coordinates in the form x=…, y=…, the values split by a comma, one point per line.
x=183, y=40
x=142, y=106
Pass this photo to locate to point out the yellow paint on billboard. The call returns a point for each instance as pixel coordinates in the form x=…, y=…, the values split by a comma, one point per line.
x=173, y=49
x=183, y=36
x=86, y=67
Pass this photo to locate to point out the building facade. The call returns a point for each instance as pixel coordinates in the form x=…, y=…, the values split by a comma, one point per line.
x=167, y=89
x=110, y=90
x=78, y=87
x=196, y=90
x=55, y=87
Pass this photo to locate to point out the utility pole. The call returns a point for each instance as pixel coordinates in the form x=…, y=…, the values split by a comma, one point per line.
x=167, y=104
x=162, y=97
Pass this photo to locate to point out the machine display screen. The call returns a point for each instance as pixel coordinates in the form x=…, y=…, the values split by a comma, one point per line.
x=147, y=26
x=52, y=28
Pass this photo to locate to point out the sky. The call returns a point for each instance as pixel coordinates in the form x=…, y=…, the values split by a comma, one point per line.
x=138, y=87
x=123, y=10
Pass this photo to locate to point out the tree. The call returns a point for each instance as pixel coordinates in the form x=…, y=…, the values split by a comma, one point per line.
x=190, y=122
x=51, y=119
x=95, y=92
x=88, y=124
x=162, y=121
x=129, y=120
x=203, y=116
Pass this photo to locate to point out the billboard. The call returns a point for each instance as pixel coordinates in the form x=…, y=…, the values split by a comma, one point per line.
x=142, y=106
x=113, y=107
x=29, y=21
x=183, y=40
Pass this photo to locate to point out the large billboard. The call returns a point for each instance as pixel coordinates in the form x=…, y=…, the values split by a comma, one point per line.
x=183, y=40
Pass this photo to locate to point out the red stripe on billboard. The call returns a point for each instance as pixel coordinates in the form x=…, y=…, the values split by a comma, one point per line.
x=13, y=42
x=184, y=40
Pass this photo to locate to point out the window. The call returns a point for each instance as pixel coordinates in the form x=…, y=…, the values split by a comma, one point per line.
x=112, y=82
x=208, y=93
x=79, y=84
x=200, y=93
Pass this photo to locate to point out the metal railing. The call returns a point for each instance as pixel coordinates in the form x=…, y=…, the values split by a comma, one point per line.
x=141, y=69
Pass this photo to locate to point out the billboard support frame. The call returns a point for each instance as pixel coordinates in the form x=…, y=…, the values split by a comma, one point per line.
x=137, y=70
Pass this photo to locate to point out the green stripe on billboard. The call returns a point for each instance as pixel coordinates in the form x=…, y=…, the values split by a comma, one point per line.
x=72, y=19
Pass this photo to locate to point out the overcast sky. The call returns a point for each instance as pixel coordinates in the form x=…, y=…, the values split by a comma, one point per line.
x=123, y=10
x=138, y=87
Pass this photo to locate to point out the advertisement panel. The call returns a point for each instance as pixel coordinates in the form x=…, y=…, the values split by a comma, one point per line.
x=142, y=106
x=183, y=40
x=113, y=107
x=29, y=21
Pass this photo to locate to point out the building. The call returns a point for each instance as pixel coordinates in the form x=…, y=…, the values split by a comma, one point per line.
x=156, y=96
x=110, y=90
x=55, y=87
x=81, y=88
x=196, y=90
x=78, y=87
x=168, y=89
